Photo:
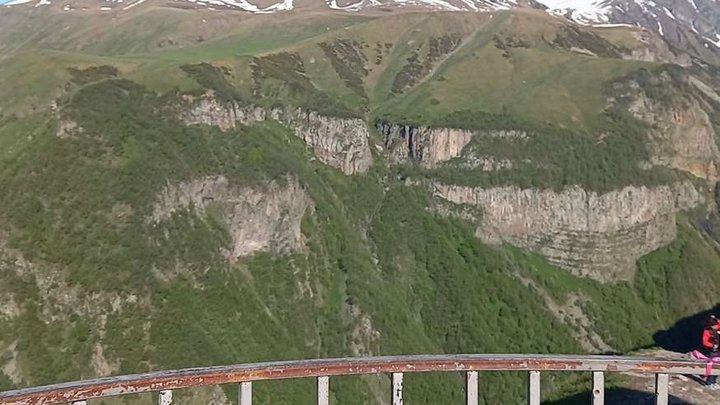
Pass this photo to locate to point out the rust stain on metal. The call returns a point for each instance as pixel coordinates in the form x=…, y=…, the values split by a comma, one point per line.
x=177, y=379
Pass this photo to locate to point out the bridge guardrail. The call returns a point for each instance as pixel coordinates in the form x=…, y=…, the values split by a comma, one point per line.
x=244, y=375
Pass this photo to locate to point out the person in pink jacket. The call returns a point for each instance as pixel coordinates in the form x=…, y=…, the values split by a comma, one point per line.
x=710, y=346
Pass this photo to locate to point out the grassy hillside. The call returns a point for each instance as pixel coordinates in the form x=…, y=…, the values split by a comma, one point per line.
x=90, y=284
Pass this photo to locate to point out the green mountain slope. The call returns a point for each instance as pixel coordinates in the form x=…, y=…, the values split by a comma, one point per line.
x=150, y=219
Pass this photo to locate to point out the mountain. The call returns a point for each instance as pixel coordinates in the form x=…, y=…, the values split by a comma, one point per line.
x=185, y=187
x=689, y=25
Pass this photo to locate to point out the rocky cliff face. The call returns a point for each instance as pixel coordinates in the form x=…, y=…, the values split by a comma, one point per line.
x=258, y=220
x=431, y=146
x=593, y=235
x=655, y=49
x=338, y=142
x=681, y=134
x=690, y=26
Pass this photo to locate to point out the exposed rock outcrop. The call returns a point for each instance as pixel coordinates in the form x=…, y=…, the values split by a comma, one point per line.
x=365, y=338
x=655, y=49
x=681, y=135
x=428, y=146
x=486, y=163
x=431, y=146
x=706, y=90
x=208, y=110
x=338, y=142
x=67, y=128
x=258, y=220
x=595, y=235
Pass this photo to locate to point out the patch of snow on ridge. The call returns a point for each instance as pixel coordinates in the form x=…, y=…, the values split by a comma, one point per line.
x=350, y=7
x=446, y=5
x=17, y=2
x=244, y=5
x=612, y=25
x=669, y=13
x=645, y=3
x=440, y=4
x=285, y=5
x=500, y=4
x=584, y=11
x=471, y=5
x=716, y=42
x=133, y=4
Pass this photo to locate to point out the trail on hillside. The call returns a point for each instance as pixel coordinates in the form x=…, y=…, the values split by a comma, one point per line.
x=443, y=61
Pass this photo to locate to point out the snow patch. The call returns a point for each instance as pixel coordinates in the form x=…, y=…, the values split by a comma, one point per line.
x=244, y=5
x=133, y=4
x=350, y=7
x=669, y=13
x=470, y=4
x=612, y=25
x=447, y=5
x=598, y=13
x=286, y=5
x=583, y=11
x=717, y=40
x=440, y=4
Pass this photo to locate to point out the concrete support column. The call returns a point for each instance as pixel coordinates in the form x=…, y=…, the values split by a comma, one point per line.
x=534, y=388
x=323, y=390
x=661, y=389
x=397, y=389
x=245, y=393
x=598, y=392
x=471, y=387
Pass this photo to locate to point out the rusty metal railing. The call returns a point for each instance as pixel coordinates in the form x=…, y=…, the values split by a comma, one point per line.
x=244, y=375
